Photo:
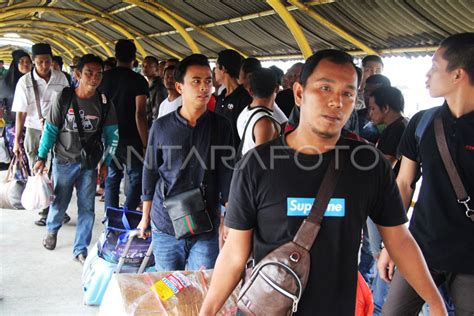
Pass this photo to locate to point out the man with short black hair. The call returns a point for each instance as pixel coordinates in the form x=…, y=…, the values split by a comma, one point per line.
x=31, y=114
x=73, y=108
x=173, y=101
x=128, y=91
x=234, y=98
x=285, y=98
x=248, y=66
x=266, y=211
x=161, y=68
x=57, y=64
x=158, y=91
x=180, y=158
x=440, y=222
x=256, y=124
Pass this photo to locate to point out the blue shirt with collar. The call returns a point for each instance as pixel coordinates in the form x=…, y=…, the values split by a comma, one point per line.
x=176, y=157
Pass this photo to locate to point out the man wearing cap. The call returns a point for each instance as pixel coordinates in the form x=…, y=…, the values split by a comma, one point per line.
x=32, y=106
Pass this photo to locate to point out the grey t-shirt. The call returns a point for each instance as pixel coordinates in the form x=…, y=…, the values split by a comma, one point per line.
x=68, y=145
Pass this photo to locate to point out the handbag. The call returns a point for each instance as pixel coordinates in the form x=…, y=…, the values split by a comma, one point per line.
x=277, y=282
x=12, y=189
x=188, y=210
x=92, y=149
x=188, y=213
x=461, y=193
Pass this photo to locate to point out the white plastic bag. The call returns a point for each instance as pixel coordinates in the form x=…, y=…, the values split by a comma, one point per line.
x=38, y=193
x=4, y=154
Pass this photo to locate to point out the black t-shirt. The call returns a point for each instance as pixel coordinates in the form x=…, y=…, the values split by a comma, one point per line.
x=286, y=101
x=231, y=106
x=122, y=85
x=390, y=139
x=439, y=224
x=274, y=200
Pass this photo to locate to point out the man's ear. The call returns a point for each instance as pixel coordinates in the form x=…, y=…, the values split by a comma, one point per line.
x=298, y=93
x=459, y=74
x=78, y=74
x=179, y=87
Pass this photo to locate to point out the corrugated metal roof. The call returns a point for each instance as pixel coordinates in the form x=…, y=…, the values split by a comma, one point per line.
x=252, y=26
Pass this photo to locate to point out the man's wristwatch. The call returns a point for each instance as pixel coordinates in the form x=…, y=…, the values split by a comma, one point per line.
x=40, y=159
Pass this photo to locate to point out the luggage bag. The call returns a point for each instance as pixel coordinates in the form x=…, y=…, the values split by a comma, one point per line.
x=97, y=272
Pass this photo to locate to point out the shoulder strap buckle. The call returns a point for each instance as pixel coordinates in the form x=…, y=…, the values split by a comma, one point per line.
x=469, y=212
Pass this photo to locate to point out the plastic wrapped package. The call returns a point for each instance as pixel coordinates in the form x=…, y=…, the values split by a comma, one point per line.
x=132, y=294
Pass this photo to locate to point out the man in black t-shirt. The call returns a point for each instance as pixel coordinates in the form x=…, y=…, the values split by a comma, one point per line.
x=274, y=186
x=234, y=98
x=156, y=86
x=128, y=91
x=285, y=98
x=439, y=223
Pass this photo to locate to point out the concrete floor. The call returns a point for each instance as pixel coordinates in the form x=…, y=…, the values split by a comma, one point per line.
x=36, y=281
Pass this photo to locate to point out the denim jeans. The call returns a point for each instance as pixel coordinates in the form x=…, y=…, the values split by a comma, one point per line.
x=367, y=262
x=134, y=169
x=379, y=292
x=66, y=176
x=375, y=239
x=186, y=254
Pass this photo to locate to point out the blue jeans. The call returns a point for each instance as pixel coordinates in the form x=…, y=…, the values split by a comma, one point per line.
x=66, y=176
x=186, y=254
x=379, y=287
x=367, y=262
x=134, y=169
x=375, y=239
x=379, y=292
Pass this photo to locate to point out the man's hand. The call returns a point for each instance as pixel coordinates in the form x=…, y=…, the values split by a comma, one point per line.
x=386, y=266
x=17, y=148
x=38, y=167
x=143, y=227
x=102, y=171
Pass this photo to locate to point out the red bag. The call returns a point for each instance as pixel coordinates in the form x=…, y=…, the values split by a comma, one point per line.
x=364, y=300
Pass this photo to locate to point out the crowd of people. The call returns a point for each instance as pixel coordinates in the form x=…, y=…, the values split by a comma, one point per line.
x=245, y=148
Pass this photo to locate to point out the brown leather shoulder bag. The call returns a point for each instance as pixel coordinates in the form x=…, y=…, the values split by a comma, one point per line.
x=276, y=284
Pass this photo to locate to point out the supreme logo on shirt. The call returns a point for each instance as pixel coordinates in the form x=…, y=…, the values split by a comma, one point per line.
x=302, y=207
x=469, y=147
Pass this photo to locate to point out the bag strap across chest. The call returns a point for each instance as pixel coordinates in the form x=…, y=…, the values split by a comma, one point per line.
x=37, y=97
x=456, y=182
x=309, y=229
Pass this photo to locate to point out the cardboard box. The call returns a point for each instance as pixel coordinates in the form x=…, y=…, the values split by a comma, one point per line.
x=132, y=294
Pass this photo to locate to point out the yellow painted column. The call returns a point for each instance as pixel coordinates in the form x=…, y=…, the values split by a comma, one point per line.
x=170, y=20
x=342, y=33
x=292, y=26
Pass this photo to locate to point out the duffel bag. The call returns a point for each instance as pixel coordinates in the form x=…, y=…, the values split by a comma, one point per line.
x=119, y=223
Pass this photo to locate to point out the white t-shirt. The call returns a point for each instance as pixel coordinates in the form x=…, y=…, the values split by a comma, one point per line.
x=169, y=106
x=278, y=114
x=24, y=99
x=244, y=117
